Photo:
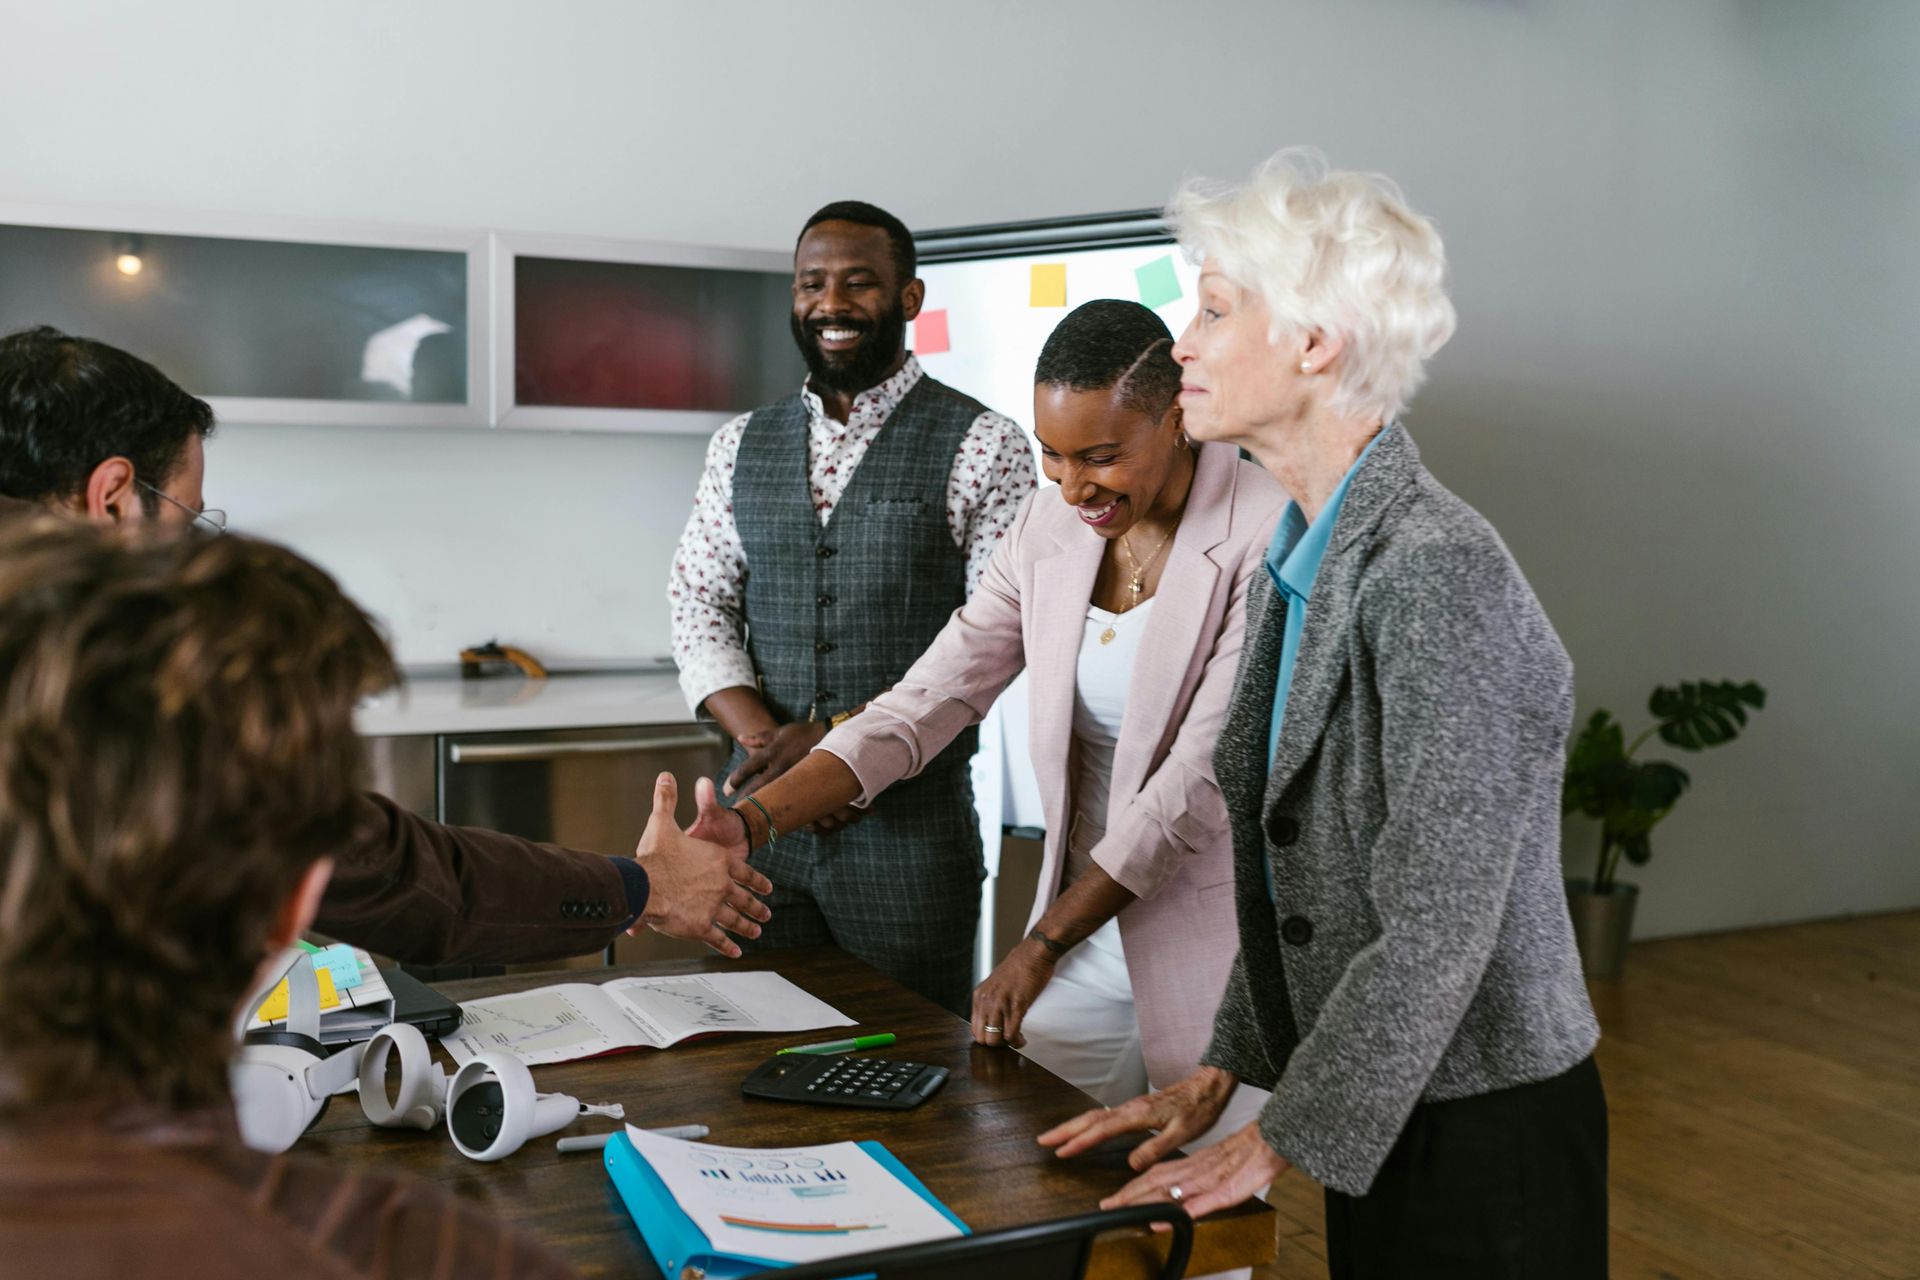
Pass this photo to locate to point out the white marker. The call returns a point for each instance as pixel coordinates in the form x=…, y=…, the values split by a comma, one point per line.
x=595, y=1141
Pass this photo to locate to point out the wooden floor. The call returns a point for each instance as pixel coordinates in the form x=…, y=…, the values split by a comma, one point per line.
x=1764, y=1093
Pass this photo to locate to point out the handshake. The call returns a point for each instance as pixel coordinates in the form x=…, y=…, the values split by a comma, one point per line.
x=699, y=884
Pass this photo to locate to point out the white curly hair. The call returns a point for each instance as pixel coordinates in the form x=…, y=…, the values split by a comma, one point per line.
x=1335, y=251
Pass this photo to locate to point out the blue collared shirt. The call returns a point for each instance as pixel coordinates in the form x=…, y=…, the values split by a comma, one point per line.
x=1293, y=562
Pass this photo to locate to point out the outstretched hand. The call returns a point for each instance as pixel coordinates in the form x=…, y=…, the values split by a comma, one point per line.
x=698, y=888
x=717, y=824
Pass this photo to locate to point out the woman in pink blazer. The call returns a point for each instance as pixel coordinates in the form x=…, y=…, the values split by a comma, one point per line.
x=1123, y=593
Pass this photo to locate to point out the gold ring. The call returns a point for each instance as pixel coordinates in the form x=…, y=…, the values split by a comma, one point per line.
x=992, y=1031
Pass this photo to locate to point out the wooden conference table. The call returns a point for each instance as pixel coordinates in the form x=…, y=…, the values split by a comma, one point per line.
x=971, y=1143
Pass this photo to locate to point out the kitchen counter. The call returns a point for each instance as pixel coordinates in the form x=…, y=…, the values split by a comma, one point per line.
x=448, y=704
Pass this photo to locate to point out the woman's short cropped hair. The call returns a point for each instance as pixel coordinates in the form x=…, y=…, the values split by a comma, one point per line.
x=1335, y=251
x=177, y=747
x=1113, y=343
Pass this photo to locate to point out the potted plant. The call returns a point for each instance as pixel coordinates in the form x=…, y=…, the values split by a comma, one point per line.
x=1630, y=797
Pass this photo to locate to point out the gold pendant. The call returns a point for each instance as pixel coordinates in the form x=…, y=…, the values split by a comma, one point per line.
x=1106, y=637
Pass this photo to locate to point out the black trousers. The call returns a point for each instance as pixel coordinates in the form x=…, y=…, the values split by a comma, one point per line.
x=1510, y=1185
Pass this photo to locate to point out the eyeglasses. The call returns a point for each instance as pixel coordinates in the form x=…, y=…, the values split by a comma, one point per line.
x=213, y=517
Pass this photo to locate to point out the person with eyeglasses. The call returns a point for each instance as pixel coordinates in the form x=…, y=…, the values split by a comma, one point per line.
x=212, y=518
x=96, y=432
x=90, y=431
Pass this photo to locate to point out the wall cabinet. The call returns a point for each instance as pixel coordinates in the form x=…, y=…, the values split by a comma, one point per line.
x=273, y=322
x=609, y=336
x=276, y=321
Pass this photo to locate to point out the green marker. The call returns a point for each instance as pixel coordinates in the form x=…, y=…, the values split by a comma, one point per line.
x=842, y=1046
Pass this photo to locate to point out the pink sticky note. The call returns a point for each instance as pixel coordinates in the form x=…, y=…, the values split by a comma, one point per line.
x=930, y=333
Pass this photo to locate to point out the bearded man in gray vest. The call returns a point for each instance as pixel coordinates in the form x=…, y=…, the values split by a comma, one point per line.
x=832, y=535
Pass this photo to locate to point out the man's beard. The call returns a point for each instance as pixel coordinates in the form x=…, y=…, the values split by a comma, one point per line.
x=865, y=366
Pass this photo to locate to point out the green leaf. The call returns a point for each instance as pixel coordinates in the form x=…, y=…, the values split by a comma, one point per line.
x=1597, y=768
x=1701, y=714
x=1645, y=796
x=1657, y=786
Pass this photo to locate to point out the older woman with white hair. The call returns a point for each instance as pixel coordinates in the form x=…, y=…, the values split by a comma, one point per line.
x=1407, y=984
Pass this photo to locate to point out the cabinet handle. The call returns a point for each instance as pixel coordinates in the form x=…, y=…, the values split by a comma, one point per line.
x=514, y=752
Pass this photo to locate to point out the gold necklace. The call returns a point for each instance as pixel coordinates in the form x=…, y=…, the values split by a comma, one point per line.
x=1139, y=577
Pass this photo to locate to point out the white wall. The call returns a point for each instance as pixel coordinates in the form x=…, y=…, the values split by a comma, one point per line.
x=558, y=544
x=1682, y=237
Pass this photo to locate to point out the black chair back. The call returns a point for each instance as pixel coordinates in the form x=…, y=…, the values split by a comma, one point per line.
x=1056, y=1250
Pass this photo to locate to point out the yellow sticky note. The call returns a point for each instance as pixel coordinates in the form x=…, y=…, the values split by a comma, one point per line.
x=274, y=1008
x=1048, y=287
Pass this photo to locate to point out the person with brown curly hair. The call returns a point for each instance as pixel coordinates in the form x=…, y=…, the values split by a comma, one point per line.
x=177, y=764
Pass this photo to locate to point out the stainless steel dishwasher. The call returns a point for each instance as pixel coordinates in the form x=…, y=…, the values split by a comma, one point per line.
x=583, y=788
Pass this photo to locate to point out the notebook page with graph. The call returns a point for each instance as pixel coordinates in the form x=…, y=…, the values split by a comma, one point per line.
x=583, y=1019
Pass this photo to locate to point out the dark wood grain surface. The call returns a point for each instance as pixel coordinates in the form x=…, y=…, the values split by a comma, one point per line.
x=972, y=1143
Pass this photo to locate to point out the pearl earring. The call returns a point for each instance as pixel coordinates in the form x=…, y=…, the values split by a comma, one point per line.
x=1306, y=366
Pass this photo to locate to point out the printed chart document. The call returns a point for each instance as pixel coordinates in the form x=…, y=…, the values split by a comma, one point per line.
x=584, y=1019
x=733, y=1210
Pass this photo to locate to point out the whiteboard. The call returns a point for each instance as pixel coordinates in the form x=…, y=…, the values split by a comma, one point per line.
x=994, y=333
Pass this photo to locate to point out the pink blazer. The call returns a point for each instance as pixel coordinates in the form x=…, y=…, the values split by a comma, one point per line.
x=1167, y=837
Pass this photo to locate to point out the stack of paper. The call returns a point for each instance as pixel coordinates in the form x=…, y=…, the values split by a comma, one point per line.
x=582, y=1019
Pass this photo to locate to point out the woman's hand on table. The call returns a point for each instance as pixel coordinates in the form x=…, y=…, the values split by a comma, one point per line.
x=1000, y=1003
x=1217, y=1177
x=1222, y=1175
x=1180, y=1113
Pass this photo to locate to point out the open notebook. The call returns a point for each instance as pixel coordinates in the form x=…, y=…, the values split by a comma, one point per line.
x=585, y=1019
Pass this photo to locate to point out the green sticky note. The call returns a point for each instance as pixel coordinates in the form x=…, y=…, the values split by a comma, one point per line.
x=1158, y=284
x=306, y=946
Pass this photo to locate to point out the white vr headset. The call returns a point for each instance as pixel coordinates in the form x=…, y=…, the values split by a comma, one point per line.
x=282, y=1080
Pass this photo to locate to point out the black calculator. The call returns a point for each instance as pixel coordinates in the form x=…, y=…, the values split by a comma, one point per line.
x=843, y=1080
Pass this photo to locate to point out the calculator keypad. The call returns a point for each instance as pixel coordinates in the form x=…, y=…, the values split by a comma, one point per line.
x=866, y=1078
x=847, y=1081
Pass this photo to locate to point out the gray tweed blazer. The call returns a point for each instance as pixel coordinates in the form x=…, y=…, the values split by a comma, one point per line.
x=1416, y=946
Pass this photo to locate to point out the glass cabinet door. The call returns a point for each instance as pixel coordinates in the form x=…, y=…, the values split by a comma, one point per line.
x=636, y=345
x=352, y=331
